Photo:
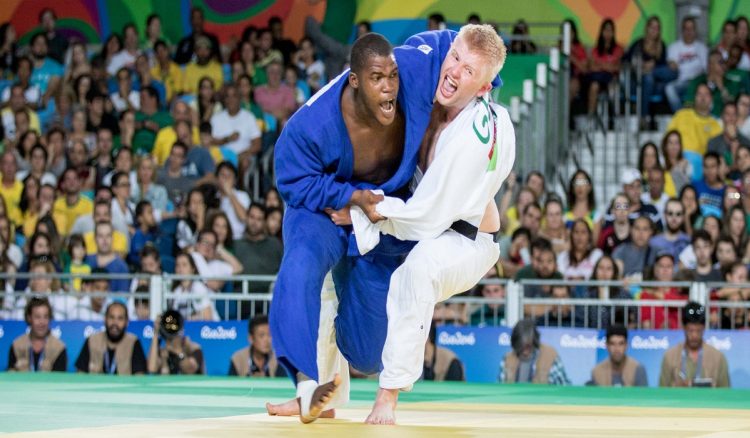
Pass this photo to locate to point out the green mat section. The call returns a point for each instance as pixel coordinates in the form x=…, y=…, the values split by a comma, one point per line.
x=33, y=402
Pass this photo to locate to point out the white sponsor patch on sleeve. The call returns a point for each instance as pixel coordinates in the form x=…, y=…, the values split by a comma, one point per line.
x=424, y=48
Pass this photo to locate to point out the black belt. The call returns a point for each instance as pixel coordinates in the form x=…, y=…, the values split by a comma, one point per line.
x=469, y=231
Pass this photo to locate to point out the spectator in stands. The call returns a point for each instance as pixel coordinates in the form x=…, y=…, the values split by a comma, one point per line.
x=728, y=39
x=194, y=220
x=105, y=258
x=167, y=71
x=122, y=208
x=57, y=43
x=188, y=46
x=711, y=189
x=145, y=232
x=724, y=84
x=741, y=163
x=730, y=139
x=441, y=364
x=659, y=317
x=38, y=159
x=735, y=226
x=97, y=116
x=554, y=228
x=113, y=351
x=48, y=73
x=275, y=97
x=204, y=66
x=743, y=111
x=512, y=214
x=650, y=53
x=743, y=27
x=617, y=231
x=41, y=284
x=726, y=251
x=218, y=222
x=123, y=163
x=8, y=46
x=618, y=369
x=149, y=120
x=531, y=219
x=11, y=187
x=259, y=252
x=702, y=249
x=283, y=45
x=236, y=129
x=489, y=314
x=146, y=189
x=213, y=260
x=606, y=269
x=579, y=60
x=632, y=257
x=732, y=318
x=520, y=42
x=77, y=265
x=696, y=125
x=313, y=70
x=578, y=262
x=71, y=204
x=125, y=97
x=694, y=362
x=22, y=71
x=17, y=104
x=257, y=359
x=530, y=361
x=335, y=54
x=125, y=58
x=126, y=125
x=205, y=104
x=678, y=170
x=689, y=57
x=436, y=21
x=648, y=158
x=673, y=239
x=516, y=255
x=689, y=200
x=234, y=202
x=167, y=136
x=37, y=350
x=102, y=213
x=543, y=266
x=179, y=355
x=581, y=202
x=171, y=176
x=266, y=53
x=604, y=63
x=199, y=305
x=655, y=195
x=145, y=79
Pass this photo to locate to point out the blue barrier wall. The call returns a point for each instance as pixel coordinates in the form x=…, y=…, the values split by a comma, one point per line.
x=482, y=349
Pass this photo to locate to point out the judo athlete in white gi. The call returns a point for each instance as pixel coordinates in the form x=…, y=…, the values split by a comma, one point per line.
x=465, y=159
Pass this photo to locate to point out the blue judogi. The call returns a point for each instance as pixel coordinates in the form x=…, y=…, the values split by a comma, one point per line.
x=314, y=166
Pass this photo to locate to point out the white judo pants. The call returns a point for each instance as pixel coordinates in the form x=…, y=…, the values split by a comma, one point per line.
x=434, y=270
x=330, y=359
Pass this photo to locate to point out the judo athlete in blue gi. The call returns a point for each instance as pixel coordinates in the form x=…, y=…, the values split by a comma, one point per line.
x=362, y=131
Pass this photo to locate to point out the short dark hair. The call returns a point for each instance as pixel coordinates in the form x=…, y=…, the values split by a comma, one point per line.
x=258, y=206
x=33, y=303
x=701, y=234
x=151, y=91
x=140, y=208
x=227, y=165
x=541, y=244
x=150, y=251
x=256, y=322
x=617, y=330
x=366, y=47
x=520, y=231
x=531, y=205
x=36, y=36
x=180, y=144
x=160, y=43
x=151, y=18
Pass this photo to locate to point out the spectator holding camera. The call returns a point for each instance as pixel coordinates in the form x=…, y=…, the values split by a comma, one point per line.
x=171, y=351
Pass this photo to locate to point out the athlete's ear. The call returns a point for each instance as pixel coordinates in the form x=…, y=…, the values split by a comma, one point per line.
x=353, y=80
x=485, y=88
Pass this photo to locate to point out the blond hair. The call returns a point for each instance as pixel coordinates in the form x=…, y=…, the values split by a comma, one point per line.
x=483, y=39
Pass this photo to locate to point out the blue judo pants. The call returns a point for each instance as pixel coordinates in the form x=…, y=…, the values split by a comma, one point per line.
x=313, y=246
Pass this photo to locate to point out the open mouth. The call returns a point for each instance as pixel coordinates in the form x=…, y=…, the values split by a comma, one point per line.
x=449, y=86
x=388, y=107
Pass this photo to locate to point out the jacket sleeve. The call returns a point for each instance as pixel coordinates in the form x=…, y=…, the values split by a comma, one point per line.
x=303, y=175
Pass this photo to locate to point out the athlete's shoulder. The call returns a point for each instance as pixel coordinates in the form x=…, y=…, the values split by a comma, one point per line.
x=321, y=107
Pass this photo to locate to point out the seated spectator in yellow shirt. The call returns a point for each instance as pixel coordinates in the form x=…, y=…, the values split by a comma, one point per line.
x=10, y=187
x=167, y=136
x=71, y=204
x=204, y=65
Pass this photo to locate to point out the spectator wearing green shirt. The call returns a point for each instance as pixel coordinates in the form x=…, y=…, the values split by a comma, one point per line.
x=148, y=121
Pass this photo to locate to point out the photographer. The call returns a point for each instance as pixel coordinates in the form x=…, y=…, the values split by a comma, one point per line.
x=179, y=355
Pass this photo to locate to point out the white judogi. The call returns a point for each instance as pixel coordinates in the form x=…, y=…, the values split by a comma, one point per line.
x=473, y=156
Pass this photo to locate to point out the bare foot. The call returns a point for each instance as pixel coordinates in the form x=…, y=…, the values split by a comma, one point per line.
x=291, y=408
x=320, y=397
x=384, y=410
